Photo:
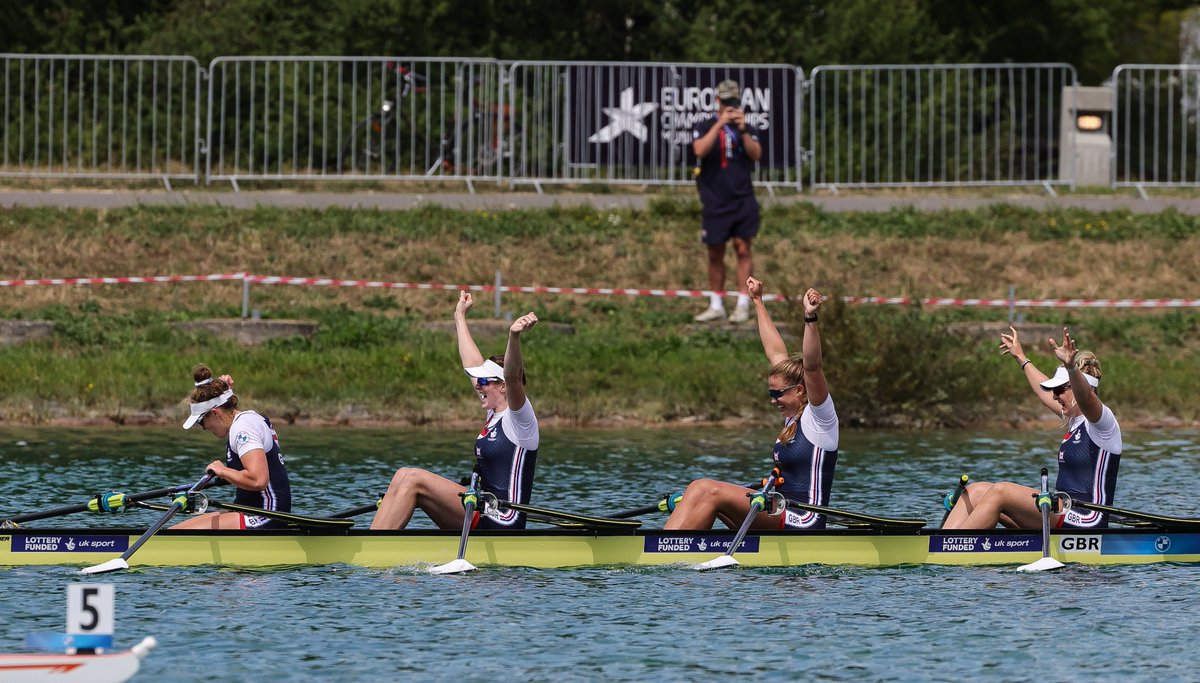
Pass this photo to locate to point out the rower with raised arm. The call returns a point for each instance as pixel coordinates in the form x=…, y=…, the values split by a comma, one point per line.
x=1088, y=457
x=805, y=451
x=253, y=462
x=505, y=449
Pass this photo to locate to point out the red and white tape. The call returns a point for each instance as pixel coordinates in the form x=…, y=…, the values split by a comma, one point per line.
x=1028, y=303
x=121, y=280
x=620, y=291
x=327, y=282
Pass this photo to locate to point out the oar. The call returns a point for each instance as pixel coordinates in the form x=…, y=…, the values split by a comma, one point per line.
x=178, y=504
x=951, y=499
x=665, y=504
x=107, y=502
x=1044, y=502
x=470, y=498
x=758, y=502
x=291, y=518
x=557, y=517
x=360, y=510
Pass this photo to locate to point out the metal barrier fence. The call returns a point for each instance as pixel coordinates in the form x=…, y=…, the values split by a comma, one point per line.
x=393, y=118
x=100, y=116
x=1156, y=137
x=631, y=123
x=937, y=125
x=283, y=118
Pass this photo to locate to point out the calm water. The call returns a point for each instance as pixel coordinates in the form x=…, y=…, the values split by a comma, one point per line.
x=816, y=623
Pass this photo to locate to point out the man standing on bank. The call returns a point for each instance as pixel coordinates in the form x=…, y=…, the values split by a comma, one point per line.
x=727, y=149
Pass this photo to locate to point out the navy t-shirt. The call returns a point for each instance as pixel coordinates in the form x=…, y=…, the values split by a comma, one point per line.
x=725, y=172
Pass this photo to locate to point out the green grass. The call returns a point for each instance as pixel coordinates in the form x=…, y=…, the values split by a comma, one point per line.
x=886, y=367
x=115, y=354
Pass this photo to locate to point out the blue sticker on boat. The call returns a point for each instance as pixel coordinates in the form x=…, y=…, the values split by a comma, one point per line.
x=687, y=543
x=1162, y=544
x=67, y=543
x=982, y=543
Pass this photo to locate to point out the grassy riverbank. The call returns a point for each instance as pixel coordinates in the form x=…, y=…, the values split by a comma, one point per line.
x=115, y=356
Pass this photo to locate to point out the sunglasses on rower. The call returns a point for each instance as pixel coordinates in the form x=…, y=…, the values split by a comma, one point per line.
x=484, y=381
x=777, y=394
x=1058, y=391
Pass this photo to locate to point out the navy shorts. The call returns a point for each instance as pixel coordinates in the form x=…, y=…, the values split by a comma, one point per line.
x=742, y=223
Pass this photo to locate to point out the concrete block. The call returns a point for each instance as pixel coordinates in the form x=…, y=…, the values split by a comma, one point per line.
x=250, y=332
x=21, y=331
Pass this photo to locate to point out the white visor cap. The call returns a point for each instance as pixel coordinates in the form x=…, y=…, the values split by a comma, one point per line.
x=490, y=369
x=1060, y=378
x=199, y=410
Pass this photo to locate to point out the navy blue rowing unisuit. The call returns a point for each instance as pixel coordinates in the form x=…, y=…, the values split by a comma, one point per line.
x=248, y=432
x=807, y=469
x=506, y=466
x=1088, y=459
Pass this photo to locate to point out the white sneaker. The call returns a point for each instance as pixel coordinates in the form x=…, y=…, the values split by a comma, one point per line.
x=710, y=314
x=740, y=314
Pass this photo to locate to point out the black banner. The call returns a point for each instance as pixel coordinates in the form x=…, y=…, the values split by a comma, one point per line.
x=643, y=115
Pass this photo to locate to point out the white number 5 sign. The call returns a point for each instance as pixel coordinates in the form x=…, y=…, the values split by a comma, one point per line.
x=90, y=609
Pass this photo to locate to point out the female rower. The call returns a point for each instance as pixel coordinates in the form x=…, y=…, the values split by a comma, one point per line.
x=805, y=451
x=253, y=462
x=1088, y=457
x=505, y=450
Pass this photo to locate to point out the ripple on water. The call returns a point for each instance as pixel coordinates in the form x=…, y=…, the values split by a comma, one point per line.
x=620, y=623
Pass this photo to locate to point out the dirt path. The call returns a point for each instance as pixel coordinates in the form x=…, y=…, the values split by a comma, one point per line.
x=100, y=199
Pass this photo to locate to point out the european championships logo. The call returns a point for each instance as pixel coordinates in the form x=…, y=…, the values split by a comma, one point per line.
x=625, y=118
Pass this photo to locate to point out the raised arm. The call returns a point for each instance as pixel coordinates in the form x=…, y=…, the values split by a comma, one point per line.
x=1010, y=345
x=468, y=352
x=1085, y=397
x=514, y=364
x=768, y=334
x=815, y=386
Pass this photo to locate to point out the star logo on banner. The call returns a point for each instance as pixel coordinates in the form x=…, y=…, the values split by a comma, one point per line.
x=625, y=118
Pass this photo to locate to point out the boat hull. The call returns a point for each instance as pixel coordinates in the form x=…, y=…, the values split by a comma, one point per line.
x=550, y=548
x=74, y=668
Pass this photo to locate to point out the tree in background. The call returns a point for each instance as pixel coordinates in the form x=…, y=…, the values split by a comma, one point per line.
x=1092, y=35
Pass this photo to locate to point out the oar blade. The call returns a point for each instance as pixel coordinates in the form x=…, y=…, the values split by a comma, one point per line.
x=113, y=565
x=719, y=563
x=1043, y=565
x=143, y=648
x=459, y=566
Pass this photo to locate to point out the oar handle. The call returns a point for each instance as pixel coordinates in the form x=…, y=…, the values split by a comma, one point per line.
x=176, y=505
x=758, y=503
x=1044, y=501
x=951, y=499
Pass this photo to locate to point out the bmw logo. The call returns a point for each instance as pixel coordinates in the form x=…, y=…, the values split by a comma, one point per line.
x=1162, y=544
